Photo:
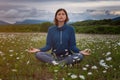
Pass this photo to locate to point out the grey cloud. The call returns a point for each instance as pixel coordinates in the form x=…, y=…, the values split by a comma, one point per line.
x=24, y=13
x=93, y=15
x=110, y=8
x=25, y=10
x=10, y=6
x=51, y=0
x=16, y=13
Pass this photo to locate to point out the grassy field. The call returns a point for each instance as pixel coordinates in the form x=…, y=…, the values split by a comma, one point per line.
x=17, y=64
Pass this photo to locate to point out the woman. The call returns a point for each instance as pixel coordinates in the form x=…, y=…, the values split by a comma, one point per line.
x=61, y=40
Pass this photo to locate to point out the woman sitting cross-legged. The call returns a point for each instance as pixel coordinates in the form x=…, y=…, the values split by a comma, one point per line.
x=61, y=41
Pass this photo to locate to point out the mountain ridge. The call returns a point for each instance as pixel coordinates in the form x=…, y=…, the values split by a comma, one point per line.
x=33, y=21
x=30, y=21
x=3, y=22
x=117, y=18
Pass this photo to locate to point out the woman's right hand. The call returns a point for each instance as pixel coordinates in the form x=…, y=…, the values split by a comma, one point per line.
x=33, y=50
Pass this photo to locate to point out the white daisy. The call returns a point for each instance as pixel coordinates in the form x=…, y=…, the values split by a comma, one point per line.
x=94, y=67
x=108, y=53
x=109, y=59
x=82, y=77
x=73, y=76
x=89, y=73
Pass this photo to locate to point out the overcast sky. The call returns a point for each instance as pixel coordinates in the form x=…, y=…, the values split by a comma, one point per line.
x=18, y=10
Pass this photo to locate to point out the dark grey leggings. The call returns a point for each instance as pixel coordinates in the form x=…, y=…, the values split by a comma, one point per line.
x=48, y=58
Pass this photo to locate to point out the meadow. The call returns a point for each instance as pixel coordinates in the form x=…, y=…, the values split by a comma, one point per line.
x=17, y=64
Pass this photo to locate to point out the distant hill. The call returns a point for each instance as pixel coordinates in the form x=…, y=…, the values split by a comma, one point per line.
x=114, y=21
x=3, y=22
x=117, y=18
x=28, y=21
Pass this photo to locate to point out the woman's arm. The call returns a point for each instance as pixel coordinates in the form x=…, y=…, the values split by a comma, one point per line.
x=73, y=42
x=48, y=42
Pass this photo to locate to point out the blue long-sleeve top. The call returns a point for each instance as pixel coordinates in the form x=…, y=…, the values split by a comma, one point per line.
x=60, y=39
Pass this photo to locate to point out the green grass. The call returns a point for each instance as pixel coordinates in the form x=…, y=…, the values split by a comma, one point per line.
x=17, y=64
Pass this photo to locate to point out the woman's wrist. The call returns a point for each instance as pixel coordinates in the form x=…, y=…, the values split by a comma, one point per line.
x=81, y=52
x=38, y=50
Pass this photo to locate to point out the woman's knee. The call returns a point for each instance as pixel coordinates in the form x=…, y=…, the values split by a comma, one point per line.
x=38, y=54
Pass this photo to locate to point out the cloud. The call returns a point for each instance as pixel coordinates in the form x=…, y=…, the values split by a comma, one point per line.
x=14, y=10
x=115, y=12
x=52, y=0
x=14, y=15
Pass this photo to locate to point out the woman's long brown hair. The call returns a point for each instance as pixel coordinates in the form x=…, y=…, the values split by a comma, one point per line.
x=55, y=19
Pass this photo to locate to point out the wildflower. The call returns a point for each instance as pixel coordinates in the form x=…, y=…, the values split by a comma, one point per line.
x=109, y=59
x=11, y=55
x=118, y=43
x=87, y=65
x=55, y=70
x=73, y=60
x=108, y=53
x=82, y=77
x=78, y=59
x=63, y=78
x=11, y=50
x=28, y=62
x=1, y=53
x=104, y=71
x=101, y=60
x=102, y=63
x=17, y=58
x=94, y=67
x=55, y=63
x=73, y=76
x=89, y=73
x=106, y=67
x=14, y=70
x=84, y=68
x=69, y=74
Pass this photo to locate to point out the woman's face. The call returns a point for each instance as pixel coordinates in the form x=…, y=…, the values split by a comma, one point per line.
x=61, y=16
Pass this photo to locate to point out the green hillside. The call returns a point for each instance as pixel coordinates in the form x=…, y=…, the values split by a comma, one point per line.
x=43, y=27
x=106, y=26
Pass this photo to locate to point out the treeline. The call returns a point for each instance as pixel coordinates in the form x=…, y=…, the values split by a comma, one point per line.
x=97, y=22
x=43, y=27
x=100, y=29
x=106, y=26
